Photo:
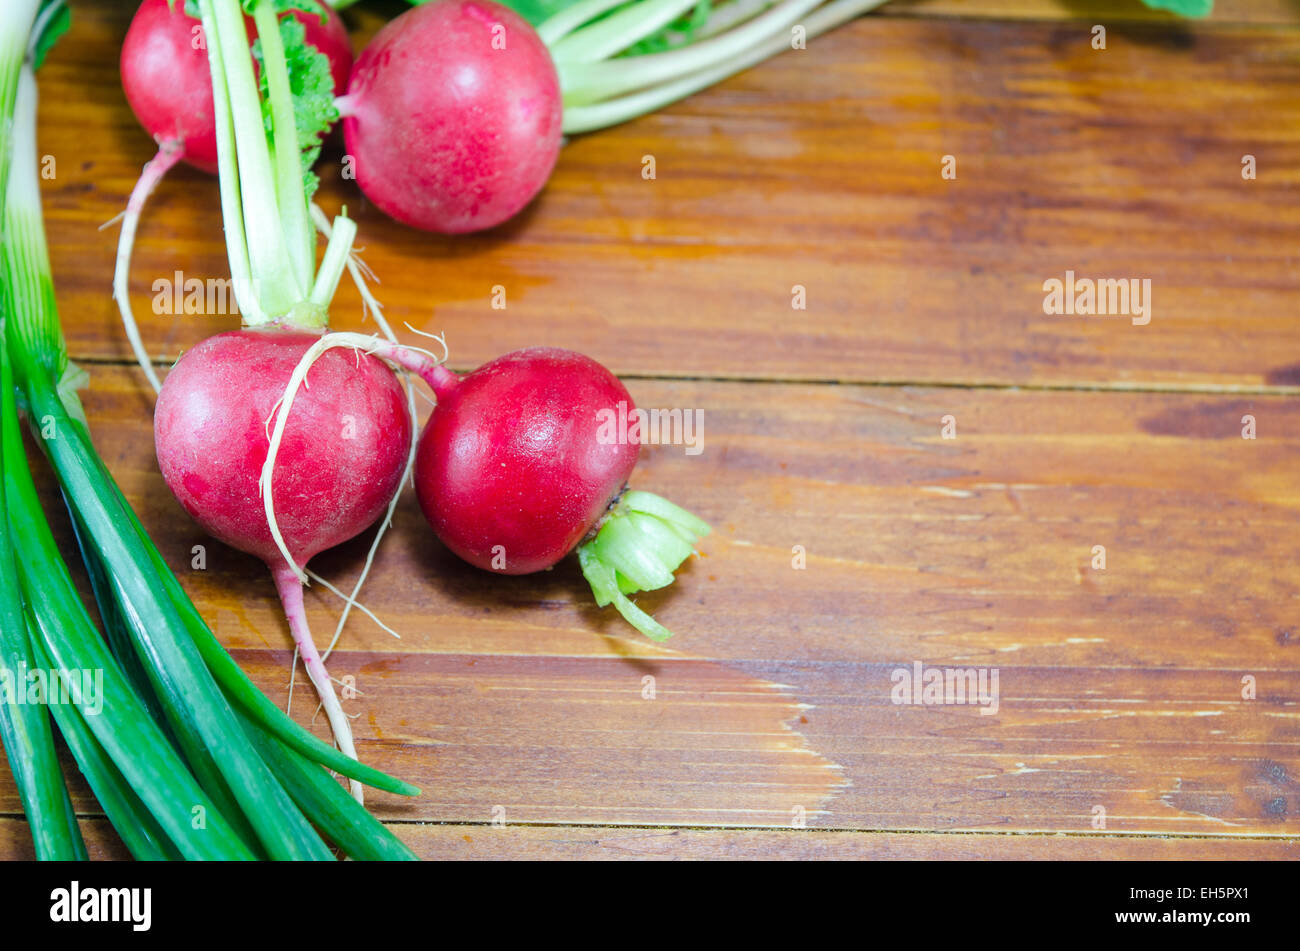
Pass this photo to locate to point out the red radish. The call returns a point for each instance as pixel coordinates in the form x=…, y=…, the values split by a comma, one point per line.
x=168, y=84
x=532, y=480
x=453, y=116
x=514, y=472
x=229, y=438
x=340, y=459
x=455, y=111
x=166, y=80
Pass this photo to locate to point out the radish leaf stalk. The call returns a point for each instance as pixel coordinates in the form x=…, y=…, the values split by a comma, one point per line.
x=642, y=541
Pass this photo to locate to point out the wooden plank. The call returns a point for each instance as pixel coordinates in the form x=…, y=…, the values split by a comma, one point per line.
x=577, y=843
x=451, y=842
x=1266, y=12
x=102, y=842
x=1119, y=688
x=821, y=169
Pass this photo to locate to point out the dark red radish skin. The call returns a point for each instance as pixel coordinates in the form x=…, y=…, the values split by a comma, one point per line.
x=511, y=458
x=164, y=69
x=340, y=462
x=449, y=133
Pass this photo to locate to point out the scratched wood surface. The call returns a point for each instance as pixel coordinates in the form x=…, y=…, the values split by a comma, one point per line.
x=1121, y=729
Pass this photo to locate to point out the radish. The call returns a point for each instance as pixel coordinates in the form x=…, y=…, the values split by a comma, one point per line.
x=165, y=76
x=453, y=116
x=340, y=462
x=513, y=473
x=454, y=112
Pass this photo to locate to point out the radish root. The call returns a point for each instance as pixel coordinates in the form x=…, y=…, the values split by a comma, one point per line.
x=169, y=153
x=290, y=590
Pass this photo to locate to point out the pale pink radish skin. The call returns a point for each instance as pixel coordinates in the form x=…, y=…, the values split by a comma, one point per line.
x=450, y=133
x=340, y=460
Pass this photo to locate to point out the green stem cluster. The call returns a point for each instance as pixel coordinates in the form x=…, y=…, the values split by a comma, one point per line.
x=640, y=543
x=604, y=86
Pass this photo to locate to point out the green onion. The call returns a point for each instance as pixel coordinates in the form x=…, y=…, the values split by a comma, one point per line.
x=68, y=640
x=139, y=830
x=25, y=727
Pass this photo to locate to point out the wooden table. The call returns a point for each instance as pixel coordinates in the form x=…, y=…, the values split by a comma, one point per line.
x=539, y=726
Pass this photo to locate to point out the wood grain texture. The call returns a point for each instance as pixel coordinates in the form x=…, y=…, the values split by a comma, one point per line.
x=1121, y=689
x=822, y=169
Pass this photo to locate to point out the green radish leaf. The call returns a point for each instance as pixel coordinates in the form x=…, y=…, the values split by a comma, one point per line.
x=312, y=88
x=306, y=6
x=1186, y=8
x=678, y=33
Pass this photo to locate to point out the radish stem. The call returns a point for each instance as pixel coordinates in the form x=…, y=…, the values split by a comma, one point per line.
x=613, y=111
x=564, y=22
x=299, y=236
x=584, y=82
x=727, y=15
x=618, y=31
x=334, y=262
x=274, y=278
x=641, y=542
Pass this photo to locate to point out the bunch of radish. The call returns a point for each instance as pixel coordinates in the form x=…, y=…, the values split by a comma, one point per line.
x=283, y=440
x=455, y=112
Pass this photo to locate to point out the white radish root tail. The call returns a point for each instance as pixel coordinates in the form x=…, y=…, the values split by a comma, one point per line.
x=290, y=589
x=169, y=153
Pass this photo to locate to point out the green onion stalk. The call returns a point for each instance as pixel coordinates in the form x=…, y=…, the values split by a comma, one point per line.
x=186, y=756
x=25, y=728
